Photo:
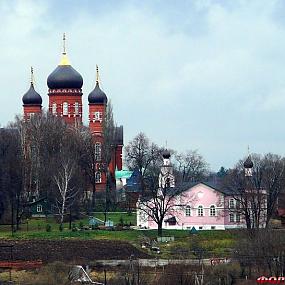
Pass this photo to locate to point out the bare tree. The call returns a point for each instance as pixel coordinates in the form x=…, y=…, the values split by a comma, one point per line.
x=89, y=161
x=141, y=153
x=144, y=155
x=157, y=203
x=262, y=252
x=256, y=195
x=273, y=168
x=108, y=153
x=11, y=167
x=67, y=192
x=191, y=166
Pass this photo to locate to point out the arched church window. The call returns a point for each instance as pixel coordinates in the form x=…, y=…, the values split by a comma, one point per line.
x=98, y=177
x=65, y=109
x=98, y=116
x=54, y=108
x=188, y=211
x=212, y=211
x=76, y=108
x=231, y=203
x=167, y=182
x=200, y=211
x=97, y=151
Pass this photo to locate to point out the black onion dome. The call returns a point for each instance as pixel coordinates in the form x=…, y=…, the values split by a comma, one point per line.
x=97, y=96
x=248, y=163
x=31, y=97
x=64, y=76
x=166, y=154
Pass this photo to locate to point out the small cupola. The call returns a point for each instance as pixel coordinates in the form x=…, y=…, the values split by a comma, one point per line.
x=31, y=97
x=97, y=96
x=248, y=165
x=248, y=162
x=166, y=154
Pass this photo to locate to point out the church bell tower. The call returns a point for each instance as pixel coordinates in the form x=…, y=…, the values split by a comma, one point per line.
x=32, y=100
x=65, y=91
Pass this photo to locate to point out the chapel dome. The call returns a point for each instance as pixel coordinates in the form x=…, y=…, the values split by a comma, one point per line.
x=248, y=163
x=64, y=76
x=97, y=96
x=166, y=154
x=31, y=97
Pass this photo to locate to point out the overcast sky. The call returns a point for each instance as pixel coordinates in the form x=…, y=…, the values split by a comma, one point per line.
x=206, y=75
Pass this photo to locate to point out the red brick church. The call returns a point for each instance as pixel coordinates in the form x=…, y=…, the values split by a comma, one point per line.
x=65, y=100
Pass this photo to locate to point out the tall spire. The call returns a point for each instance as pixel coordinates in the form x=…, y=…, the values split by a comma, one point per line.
x=64, y=59
x=64, y=44
x=32, y=76
x=97, y=74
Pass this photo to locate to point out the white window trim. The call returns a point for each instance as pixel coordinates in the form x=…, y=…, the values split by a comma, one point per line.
x=98, y=155
x=54, y=108
x=236, y=220
x=203, y=211
x=213, y=205
x=99, y=180
x=234, y=204
x=65, y=108
x=188, y=207
x=97, y=116
x=76, y=108
x=39, y=208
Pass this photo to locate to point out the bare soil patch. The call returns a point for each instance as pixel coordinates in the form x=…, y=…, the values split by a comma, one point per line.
x=69, y=250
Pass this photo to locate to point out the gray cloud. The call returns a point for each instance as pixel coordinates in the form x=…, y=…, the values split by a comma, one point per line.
x=207, y=75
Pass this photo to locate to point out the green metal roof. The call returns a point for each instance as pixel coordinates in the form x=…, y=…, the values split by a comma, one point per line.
x=124, y=173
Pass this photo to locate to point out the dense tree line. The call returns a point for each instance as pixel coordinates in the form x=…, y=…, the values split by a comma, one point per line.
x=44, y=157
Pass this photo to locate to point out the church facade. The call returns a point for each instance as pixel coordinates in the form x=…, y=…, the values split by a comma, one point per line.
x=200, y=205
x=65, y=101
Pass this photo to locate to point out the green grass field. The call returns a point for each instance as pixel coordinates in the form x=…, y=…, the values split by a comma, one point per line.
x=215, y=243
x=39, y=224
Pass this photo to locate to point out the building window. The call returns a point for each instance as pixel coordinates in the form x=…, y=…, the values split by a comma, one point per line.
x=232, y=219
x=237, y=204
x=39, y=208
x=188, y=211
x=98, y=177
x=98, y=116
x=200, y=228
x=200, y=211
x=54, y=108
x=76, y=108
x=212, y=211
x=167, y=182
x=65, y=108
x=232, y=203
x=97, y=151
x=213, y=227
x=238, y=218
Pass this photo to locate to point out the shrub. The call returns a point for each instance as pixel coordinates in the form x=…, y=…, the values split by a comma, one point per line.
x=121, y=221
x=73, y=227
x=94, y=227
x=61, y=227
x=48, y=228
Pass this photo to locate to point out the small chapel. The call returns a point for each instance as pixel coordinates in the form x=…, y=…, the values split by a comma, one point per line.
x=65, y=101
